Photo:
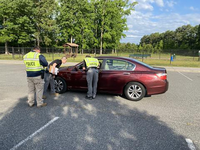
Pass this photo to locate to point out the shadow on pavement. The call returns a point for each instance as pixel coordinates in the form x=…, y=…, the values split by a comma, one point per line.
x=107, y=123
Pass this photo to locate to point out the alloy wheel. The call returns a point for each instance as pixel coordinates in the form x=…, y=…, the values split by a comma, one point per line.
x=135, y=91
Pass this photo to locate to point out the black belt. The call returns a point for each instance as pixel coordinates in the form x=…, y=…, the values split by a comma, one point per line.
x=93, y=68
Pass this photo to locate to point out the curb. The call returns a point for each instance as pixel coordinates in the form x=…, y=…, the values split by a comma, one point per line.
x=182, y=69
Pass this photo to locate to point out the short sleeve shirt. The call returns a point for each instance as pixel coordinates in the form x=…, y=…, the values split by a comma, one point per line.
x=57, y=61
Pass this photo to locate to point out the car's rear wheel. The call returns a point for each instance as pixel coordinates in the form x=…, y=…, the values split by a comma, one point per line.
x=134, y=91
x=60, y=85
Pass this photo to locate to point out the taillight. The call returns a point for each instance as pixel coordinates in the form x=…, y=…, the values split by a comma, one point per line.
x=162, y=76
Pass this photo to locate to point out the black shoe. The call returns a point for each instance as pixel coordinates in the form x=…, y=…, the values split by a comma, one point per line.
x=90, y=98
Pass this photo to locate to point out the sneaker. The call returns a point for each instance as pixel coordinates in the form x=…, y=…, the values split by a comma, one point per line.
x=44, y=97
x=93, y=97
x=55, y=94
x=90, y=98
x=44, y=104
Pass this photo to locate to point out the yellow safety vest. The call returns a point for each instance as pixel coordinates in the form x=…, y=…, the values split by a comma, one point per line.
x=32, y=61
x=91, y=62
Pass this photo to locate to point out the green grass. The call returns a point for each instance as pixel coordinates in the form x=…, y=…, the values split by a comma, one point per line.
x=154, y=60
x=177, y=63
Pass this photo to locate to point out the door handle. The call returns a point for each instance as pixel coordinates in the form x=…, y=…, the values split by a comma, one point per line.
x=126, y=73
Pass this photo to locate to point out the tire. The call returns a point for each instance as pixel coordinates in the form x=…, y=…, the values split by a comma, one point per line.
x=60, y=85
x=134, y=91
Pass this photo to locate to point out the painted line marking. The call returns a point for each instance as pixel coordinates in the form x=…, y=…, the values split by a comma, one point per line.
x=32, y=135
x=190, y=144
x=185, y=76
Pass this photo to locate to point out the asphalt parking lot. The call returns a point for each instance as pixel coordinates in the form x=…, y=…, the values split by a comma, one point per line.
x=170, y=121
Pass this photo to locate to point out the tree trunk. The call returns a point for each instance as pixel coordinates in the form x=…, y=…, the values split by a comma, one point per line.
x=95, y=49
x=102, y=27
x=38, y=40
x=71, y=39
x=101, y=41
x=6, y=43
x=6, y=48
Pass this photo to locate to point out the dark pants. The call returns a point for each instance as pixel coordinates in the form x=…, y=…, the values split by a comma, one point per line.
x=48, y=78
x=92, y=80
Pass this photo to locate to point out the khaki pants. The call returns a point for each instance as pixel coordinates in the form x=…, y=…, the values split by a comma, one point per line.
x=35, y=86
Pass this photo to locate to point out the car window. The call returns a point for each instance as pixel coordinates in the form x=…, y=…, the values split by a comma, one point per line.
x=80, y=67
x=111, y=64
x=146, y=65
x=100, y=63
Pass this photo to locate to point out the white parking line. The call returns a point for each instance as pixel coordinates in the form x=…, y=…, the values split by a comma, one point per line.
x=190, y=144
x=185, y=76
x=32, y=135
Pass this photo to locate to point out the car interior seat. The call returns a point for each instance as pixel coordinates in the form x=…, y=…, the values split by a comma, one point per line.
x=107, y=66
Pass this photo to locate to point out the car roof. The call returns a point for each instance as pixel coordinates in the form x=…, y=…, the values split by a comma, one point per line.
x=125, y=58
x=115, y=57
x=118, y=57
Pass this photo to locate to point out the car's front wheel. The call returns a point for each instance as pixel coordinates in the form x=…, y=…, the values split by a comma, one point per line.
x=134, y=91
x=60, y=85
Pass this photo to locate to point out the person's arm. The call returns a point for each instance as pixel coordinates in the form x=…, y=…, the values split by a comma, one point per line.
x=84, y=65
x=43, y=61
x=99, y=66
x=54, y=66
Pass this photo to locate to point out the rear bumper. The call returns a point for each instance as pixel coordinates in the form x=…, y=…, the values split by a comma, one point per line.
x=158, y=89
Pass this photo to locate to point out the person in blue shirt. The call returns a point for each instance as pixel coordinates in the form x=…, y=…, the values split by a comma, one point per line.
x=35, y=62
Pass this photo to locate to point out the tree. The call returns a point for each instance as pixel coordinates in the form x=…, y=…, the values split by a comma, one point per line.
x=159, y=47
x=112, y=21
x=169, y=40
x=184, y=39
x=91, y=24
x=140, y=48
x=197, y=43
x=7, y=19
x=44, y=21
x=76, y=23
x=24, y=22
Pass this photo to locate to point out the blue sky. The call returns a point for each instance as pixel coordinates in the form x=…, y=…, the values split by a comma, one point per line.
x=152, y=16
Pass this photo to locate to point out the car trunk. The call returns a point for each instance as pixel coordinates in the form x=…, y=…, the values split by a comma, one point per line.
x=159, y=69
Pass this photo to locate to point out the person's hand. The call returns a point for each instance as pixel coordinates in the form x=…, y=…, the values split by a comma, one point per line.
x=83, y=68
x=54, y=65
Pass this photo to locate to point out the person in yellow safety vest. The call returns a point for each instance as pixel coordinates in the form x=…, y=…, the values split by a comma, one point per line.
x=91, y=65
x=35, y=62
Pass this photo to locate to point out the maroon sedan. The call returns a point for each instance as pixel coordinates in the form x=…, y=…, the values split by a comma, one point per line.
x=117, y=75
